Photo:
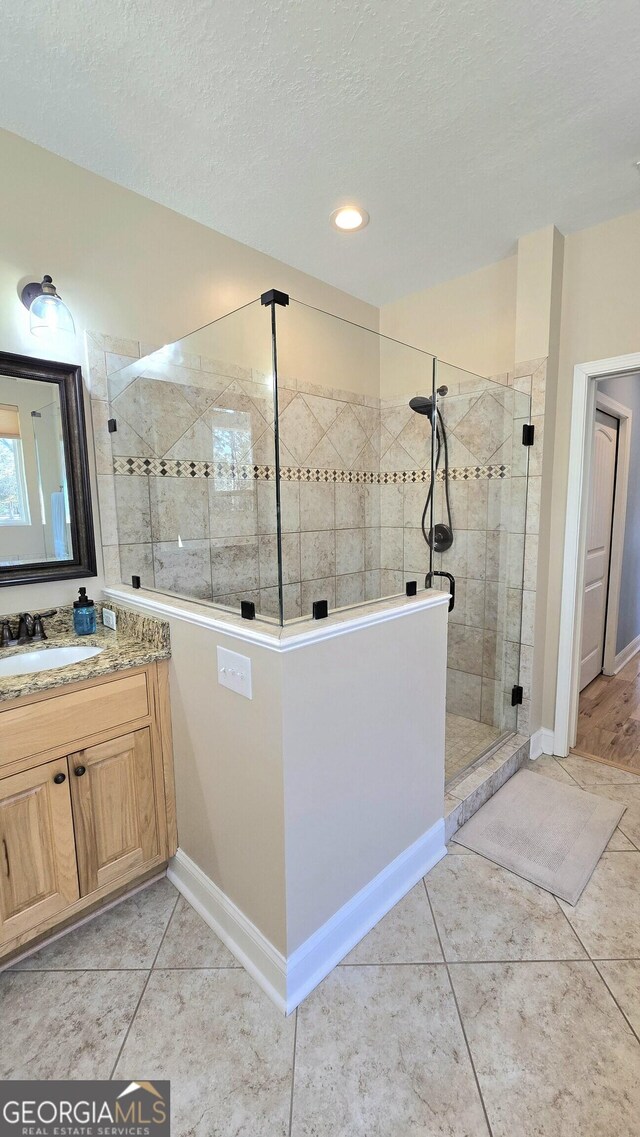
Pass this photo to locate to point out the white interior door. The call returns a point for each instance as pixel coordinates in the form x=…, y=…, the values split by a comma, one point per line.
x=596, y=576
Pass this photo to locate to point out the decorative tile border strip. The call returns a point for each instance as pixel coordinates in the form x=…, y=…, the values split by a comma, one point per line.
x=176, y=468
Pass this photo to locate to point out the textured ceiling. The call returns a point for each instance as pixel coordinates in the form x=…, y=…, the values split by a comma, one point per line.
x=459, y=126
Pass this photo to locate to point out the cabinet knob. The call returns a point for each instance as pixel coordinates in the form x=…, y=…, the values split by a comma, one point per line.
x=59, y=779
x=79, y=771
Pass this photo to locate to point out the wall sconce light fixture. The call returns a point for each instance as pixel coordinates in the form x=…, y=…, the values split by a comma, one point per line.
x=47, y=313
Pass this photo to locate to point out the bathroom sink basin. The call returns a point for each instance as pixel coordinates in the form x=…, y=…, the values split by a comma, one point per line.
x=45, y=659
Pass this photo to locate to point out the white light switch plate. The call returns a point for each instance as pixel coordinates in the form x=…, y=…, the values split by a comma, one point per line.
x=234, y=672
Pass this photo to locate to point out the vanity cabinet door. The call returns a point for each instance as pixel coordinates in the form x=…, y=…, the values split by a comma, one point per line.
x=38, y=875
x=114, y=809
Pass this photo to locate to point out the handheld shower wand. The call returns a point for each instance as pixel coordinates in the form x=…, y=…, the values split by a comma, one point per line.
x=440, y=537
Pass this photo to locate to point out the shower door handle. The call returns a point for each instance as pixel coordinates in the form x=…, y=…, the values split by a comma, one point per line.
x=452, y=585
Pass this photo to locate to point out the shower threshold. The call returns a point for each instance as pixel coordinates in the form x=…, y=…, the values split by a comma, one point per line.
x=468, y=742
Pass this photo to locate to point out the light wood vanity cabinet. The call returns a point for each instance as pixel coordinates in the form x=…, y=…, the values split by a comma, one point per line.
x=87, y=805
x=38, y=878
x=114, y=809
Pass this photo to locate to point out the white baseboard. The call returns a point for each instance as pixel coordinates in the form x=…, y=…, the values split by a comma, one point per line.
x=542, y=742
x=288, y=981
x=251, y=948
x=626, y=654
x=316, y=957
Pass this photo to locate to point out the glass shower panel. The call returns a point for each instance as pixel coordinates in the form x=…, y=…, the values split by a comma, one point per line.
x=194, y=466
x=480, y=500
x=353, y=458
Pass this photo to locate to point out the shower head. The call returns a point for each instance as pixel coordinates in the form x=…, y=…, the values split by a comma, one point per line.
x=422, y=406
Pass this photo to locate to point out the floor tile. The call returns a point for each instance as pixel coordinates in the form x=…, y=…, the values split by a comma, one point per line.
x=619, y=843
x=380, y=1053
x=630, y=821
x=406, y=935
x=453, y=849
x=555, y=768
x=588, y=773
x=622, y=977
x=190, y=942
x=484, y=912
x=127, y=936
x=550, y=767
x=553, y=1054
x=226, y=1049
x=607, y=915
x=65, y=1024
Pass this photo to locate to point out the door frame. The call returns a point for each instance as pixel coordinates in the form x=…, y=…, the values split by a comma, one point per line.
x=583, y=406
x=624, y=415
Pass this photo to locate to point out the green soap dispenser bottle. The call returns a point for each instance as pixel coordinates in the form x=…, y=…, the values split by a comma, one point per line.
x=84, y=614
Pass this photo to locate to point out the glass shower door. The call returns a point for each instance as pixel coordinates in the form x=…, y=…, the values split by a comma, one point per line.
x=479, y=538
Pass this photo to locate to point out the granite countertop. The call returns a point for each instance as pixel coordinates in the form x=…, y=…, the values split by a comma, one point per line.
x=138, y=640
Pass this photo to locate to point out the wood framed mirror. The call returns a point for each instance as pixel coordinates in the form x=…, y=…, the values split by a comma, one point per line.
x=46, y=521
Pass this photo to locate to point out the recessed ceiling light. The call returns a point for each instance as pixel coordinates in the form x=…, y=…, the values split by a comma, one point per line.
x=349, y=218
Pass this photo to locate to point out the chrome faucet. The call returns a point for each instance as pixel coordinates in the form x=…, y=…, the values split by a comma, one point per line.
x=30, y=629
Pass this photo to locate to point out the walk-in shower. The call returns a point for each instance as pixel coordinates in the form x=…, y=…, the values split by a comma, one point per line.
x=273, y=465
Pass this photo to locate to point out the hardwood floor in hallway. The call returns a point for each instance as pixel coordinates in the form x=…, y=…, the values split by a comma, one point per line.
x=609, y=718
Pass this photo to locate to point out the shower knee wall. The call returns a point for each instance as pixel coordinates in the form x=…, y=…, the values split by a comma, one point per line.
x=305, y=813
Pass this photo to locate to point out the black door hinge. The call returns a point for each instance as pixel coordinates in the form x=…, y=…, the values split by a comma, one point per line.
x=528, y=433
x=112, y=425
x=516, y=696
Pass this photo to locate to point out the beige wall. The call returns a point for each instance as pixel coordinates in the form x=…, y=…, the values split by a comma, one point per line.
x=228, y=761
x=469, y=321
x=137, y=270
x=600, y=319
x=568, y=300
x=537, y=338
x=363, y=752
x=124, y=264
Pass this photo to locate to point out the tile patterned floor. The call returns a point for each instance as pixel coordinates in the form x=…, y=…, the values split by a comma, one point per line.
x=479, y=1007
x=465, y=741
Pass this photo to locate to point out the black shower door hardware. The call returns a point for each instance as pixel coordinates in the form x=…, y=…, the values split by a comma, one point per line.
x=452, y=585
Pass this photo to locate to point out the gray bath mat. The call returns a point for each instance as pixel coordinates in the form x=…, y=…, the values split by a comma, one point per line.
x=544, y=831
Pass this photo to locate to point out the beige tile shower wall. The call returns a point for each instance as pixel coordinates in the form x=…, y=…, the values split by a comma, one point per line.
x=487, y=494
x=327, y=436
x=198, y=537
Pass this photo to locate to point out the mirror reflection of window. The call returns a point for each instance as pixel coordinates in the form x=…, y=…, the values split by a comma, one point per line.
x=34, y=508
x=14, y=502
